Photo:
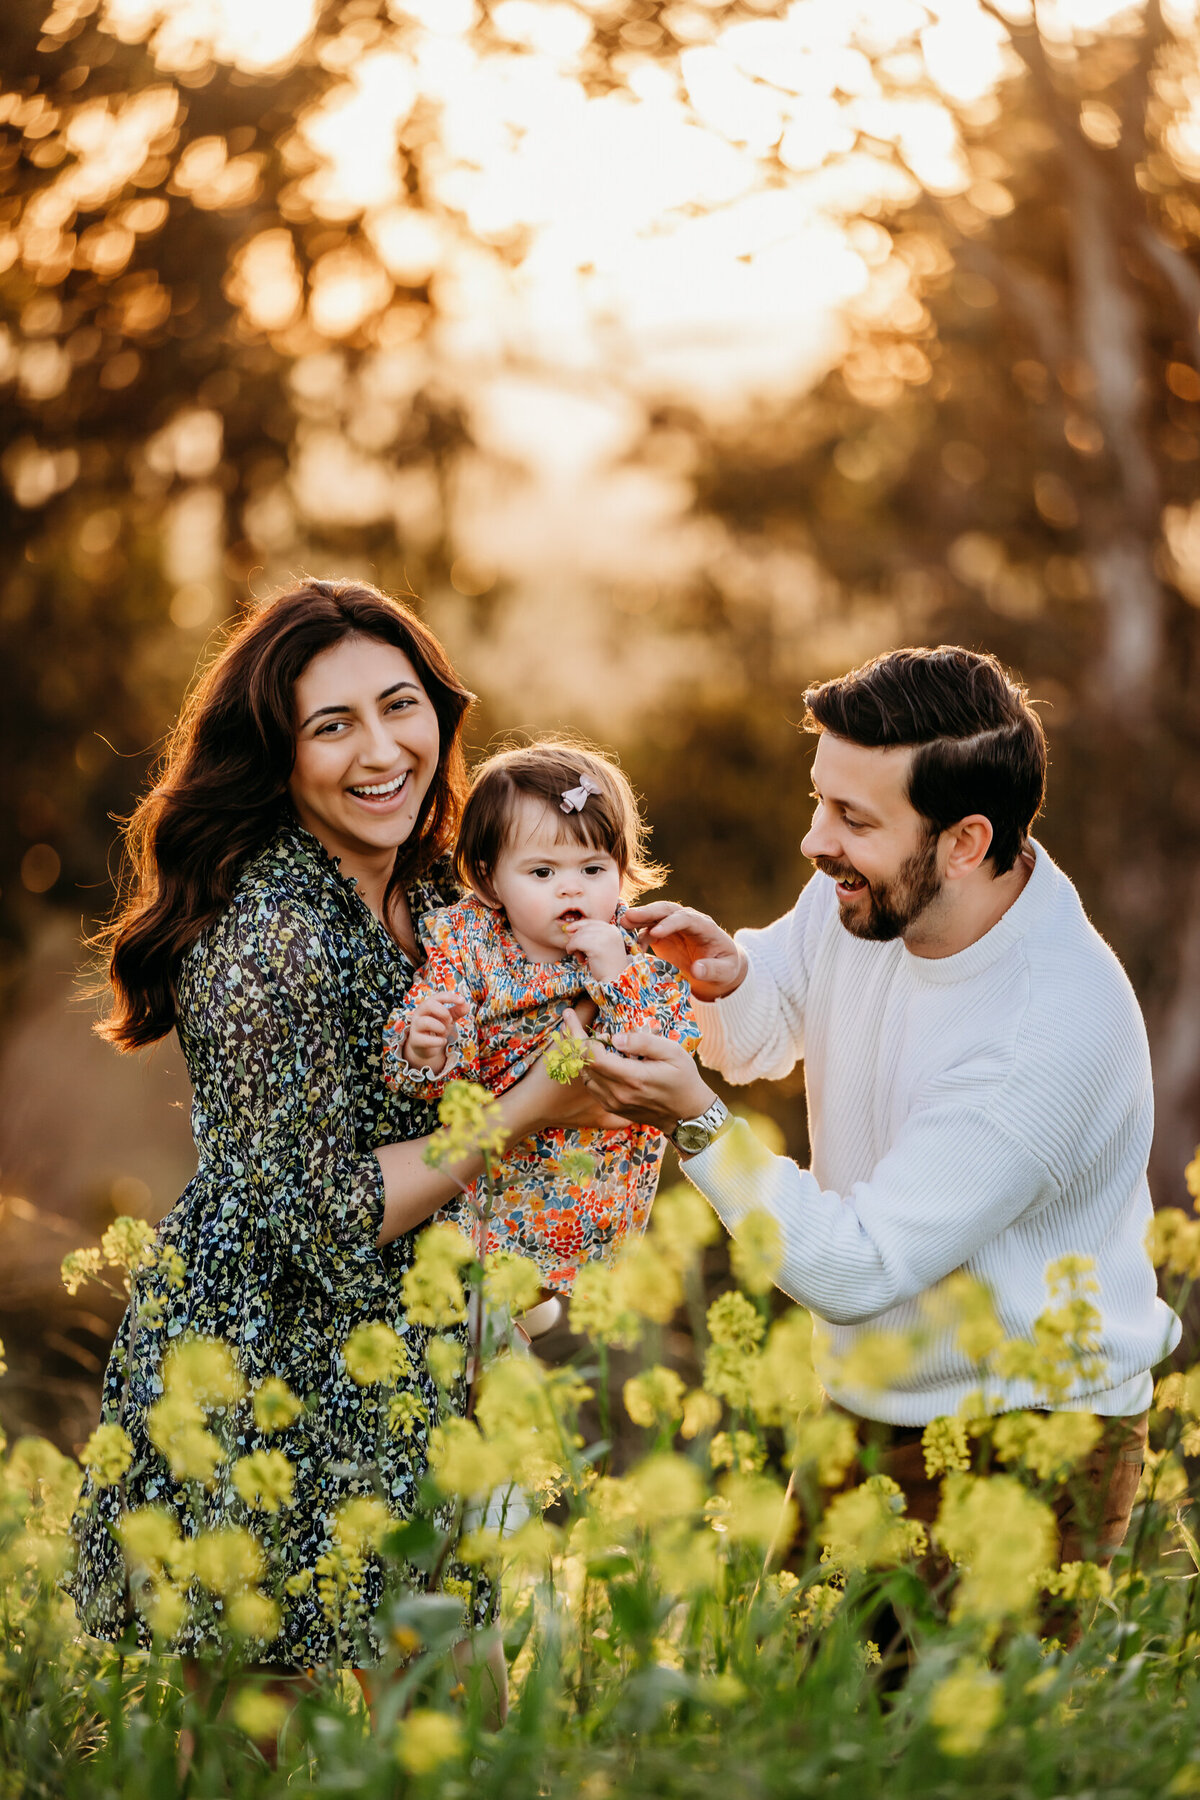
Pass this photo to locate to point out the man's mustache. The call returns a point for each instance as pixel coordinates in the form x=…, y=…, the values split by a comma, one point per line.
x=839, y=871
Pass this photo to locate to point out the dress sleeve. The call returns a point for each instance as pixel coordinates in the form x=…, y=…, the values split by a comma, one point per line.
x=274, y=997
x=441, y=972
x=648, y=995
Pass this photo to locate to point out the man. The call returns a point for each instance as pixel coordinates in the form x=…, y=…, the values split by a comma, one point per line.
x=976, y=1066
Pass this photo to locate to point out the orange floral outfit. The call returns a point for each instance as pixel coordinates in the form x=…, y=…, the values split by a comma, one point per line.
x=554, y=1217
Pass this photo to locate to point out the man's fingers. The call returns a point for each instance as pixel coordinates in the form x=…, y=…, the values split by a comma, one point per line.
x=650, y=914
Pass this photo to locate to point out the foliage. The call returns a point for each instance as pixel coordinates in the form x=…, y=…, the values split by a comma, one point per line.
x=694, y=1620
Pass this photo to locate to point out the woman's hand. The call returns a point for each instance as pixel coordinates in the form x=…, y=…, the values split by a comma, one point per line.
x=654, y=1082
x=695, y=944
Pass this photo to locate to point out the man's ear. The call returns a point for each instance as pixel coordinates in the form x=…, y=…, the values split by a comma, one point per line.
x=970, y=841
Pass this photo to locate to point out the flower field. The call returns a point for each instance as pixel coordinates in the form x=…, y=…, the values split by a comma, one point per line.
x=743, y=1607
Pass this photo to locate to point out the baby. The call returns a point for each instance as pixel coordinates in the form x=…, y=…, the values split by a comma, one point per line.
x=551, y=845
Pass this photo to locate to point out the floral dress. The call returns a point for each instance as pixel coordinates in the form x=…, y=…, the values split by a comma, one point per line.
x=549, y=1212
x=282, y=1006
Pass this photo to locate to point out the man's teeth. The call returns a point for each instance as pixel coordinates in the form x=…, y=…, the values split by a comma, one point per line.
x=383, y=789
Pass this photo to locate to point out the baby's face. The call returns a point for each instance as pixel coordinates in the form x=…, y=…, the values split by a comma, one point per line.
x=544, y=879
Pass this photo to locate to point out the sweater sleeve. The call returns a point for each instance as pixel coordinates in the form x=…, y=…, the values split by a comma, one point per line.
x=442, y=972
x=290, y=1116
x=757, y=1032
x=952, y=1180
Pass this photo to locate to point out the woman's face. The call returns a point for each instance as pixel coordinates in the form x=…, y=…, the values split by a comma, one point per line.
x=366, y=747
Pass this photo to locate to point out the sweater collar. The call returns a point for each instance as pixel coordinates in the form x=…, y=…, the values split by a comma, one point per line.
x=1025, y=911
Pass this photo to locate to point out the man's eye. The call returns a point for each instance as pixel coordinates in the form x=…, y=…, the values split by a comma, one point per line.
x=854, y=824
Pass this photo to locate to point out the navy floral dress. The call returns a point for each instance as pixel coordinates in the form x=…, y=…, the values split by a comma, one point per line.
x=282, y=1008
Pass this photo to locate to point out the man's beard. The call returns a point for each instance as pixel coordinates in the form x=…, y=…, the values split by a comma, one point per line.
x=892, y=905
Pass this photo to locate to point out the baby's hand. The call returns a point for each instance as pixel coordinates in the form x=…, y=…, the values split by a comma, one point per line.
x=431, y=1030
x=601, y=946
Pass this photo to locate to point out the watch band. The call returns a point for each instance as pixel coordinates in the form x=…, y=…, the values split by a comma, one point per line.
x=691, y=1136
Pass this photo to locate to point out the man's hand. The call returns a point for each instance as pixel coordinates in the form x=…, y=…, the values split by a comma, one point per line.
x=695, y=944
x=600, y=946
x=429, y=1035
x=661, y=1088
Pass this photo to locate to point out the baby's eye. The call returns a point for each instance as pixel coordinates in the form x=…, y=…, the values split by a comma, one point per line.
x=595, y=869
x=541, y=873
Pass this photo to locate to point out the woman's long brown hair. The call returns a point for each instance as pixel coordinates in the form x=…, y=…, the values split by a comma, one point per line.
x=222, y=787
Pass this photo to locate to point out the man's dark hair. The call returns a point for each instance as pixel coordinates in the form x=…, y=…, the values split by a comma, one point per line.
x=979, y=744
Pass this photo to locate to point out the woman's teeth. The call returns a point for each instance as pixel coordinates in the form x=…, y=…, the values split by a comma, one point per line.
x=383, y=791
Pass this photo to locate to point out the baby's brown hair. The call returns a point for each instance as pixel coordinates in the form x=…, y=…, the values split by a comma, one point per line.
x=546, y=770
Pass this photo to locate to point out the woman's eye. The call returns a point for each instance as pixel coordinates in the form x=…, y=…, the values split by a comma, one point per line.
x=329, y=729
x=402, y=704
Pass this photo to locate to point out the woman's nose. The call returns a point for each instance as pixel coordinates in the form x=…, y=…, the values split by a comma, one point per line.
x=379, y=749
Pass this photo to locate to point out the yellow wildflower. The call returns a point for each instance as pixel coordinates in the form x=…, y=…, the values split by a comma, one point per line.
x=818, y=1606
x=374, y=1353
x=944, y=1443
x=826, y=1442
x=204, y=1370
x=646, y=1283
x=865, y=1528
x=128, y=1244
x=430, y=1288
x=963, y=1304
x=264, y=1480
x=471, y=1125
x=732, y=1375
x=1173, y=1241
x=462, y=1461
x=665, y=1488
x=176, y=1429
x=227, y=1559
x=444, y=1360
x=299, y=1583
x=3, y=1364
x=965, y=1708
x=361, y=1524
x=701, y=1412
x=686, y=1560
x=739, y=1450
x=150, y=1536
x=79, y=1266
x=275, y=1405
x=1191, y=1175
x=682, y=1224
x=785, y=1382
x=1047, y=1444
x=406, y=1412
x=757, y=1251
x=511, y=1281
x=166, y=1610
x=171, y=1267
x=655, y=1397
x=260, y=1715
x=107, y=1454
x=566, y=1057
x=1164, y=1477
x=426, y=1740
x=877, y=1359
x=598, y=1312
x=253, y=1616
x=1079, y=1581
x=576, y=1165
x=735, y=1323
x=760, y=1511
x=1003, y=1536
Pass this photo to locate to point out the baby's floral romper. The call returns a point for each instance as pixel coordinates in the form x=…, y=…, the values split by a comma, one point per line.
x=559, y=1219
x=282, y=1005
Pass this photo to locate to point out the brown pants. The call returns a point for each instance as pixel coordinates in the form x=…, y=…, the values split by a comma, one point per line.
x=1093, y=1506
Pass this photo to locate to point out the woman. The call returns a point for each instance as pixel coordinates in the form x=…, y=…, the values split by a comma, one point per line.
x=279, y=870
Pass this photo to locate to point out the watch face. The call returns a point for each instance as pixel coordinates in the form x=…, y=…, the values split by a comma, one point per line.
x=691, y=1138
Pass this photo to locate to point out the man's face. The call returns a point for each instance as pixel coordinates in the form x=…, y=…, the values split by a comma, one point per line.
x=867, y=835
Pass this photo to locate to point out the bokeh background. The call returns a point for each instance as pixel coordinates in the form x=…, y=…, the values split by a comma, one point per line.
x=675, y=356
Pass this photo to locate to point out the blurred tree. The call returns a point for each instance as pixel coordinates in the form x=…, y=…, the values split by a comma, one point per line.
x=1008, y=456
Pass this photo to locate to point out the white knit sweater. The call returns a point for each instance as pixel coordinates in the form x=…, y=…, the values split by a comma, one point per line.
x=989, y=1111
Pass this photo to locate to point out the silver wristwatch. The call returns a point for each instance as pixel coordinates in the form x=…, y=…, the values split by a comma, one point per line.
x=691, y=1136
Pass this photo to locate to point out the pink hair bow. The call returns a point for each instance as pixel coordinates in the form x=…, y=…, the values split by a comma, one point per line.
x=576, y=798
